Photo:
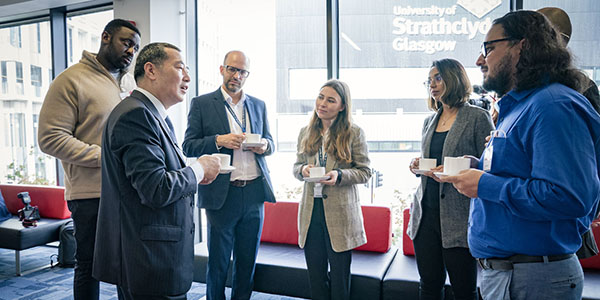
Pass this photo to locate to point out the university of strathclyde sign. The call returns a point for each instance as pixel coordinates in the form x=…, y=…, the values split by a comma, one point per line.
x=436, y=28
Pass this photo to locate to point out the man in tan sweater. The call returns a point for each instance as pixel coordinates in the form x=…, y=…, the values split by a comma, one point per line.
x=72, y=120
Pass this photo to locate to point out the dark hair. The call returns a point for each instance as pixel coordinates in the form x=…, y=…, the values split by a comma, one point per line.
x=544, y=58
x=458, y=86
x=154, y=53
x=116, y=24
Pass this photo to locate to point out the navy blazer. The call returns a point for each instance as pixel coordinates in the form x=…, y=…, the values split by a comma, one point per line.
x=145, y=232
x=207, y=119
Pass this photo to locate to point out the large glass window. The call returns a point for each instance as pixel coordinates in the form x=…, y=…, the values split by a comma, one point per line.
x=88, y=28
x=286, y=43
x=584, y=43
x=386, y=50
x=21, y=160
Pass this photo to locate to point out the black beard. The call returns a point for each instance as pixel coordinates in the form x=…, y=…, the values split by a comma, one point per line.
x=501, y=82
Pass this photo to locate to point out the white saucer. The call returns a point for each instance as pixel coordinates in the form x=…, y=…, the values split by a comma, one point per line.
x=226, y=170
x=248, y=145
x=420, y=172
x=315, y=179
x=441, y=174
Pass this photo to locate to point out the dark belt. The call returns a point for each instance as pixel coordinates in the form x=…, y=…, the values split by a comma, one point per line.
x=505, y=264
x=242, y=183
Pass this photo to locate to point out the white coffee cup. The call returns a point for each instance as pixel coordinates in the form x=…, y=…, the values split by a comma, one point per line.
x=225, y=159
x=252, y=138
x=317, y=171
x=453, y=165
x=427, y=164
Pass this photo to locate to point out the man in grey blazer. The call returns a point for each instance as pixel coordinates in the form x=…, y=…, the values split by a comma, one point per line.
x=234, y=202
x=145, y=235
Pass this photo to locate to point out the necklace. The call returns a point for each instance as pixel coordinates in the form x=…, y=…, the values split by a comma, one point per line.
x=448, y=118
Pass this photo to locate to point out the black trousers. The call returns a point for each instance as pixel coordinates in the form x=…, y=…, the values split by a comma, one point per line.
x=319, y=255
x=433, y=261
x=85, y=215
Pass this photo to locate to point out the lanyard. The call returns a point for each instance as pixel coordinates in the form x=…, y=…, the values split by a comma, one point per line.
x=322, y=158
x=235, y=118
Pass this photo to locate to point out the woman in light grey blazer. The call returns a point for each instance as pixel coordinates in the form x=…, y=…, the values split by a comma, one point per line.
x=330, y=219
x=439, y=213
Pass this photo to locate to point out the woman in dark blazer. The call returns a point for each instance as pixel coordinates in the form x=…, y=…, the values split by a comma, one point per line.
x=439, y=213
x=330, y=222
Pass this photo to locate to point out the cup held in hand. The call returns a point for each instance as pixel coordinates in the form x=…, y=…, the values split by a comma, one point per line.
x=224, y=158
x=453, y=165
x=252, y=138
x=427, y=164
x=317, y=171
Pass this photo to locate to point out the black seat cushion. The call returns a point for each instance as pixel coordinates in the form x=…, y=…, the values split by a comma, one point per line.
x=14, y=236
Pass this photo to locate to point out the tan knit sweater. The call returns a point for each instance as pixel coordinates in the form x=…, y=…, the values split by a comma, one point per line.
x=72, y=120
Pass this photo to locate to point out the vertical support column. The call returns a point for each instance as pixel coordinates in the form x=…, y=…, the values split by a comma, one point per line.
x=58, y=43
x=333, y=40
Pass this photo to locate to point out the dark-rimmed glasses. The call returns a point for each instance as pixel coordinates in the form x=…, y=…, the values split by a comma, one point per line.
x=484, y=49
x=233, y=70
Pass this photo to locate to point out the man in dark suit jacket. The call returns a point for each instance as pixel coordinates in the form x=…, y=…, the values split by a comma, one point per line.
x=218, y=123
x=145, y=235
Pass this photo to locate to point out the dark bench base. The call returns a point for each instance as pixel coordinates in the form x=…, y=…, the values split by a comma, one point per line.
x=16, y=237
x=402, y=281
x=281, y=269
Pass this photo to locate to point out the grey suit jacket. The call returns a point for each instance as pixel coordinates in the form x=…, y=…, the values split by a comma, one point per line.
x=466, y=137
x=145, y=232
x=208, y=118
x=342, y=205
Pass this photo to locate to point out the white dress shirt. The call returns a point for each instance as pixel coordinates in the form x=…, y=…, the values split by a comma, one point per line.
x=246, y=167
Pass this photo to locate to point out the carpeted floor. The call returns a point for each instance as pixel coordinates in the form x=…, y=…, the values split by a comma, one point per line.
x=56, y=283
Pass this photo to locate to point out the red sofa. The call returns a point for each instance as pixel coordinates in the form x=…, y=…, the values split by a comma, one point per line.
x=281, y=267
x=53, y=211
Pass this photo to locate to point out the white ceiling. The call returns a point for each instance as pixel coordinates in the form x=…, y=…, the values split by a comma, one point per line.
x=19, y=9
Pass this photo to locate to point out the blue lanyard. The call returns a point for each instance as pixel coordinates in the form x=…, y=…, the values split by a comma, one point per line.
x=235, y=118
x=322, y=158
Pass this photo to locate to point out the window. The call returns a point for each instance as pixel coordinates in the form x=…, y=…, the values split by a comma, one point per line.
x=19, y=72
x=70, y=44
x=36, y=79
x=286, y=43
x=15, y=36
x=38, y=38
x=86, y=26
x=21, y=160
x=4, y=74
x=385, y=55
x=584, y=14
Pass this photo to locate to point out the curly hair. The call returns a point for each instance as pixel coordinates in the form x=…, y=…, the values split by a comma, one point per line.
x=544, y=58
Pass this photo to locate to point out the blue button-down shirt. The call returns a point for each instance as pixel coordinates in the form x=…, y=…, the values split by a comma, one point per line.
x=543, y=187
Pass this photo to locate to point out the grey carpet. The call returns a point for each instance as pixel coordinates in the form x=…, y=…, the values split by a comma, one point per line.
x=56, y=283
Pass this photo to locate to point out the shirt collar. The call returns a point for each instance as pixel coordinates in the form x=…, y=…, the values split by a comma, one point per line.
x=162, y=111
x=230, y=100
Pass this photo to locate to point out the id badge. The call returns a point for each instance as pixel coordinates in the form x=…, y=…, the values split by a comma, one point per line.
x=318, y=190
x=487, y=158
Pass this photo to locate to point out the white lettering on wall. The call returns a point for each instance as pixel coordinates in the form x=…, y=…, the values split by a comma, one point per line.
x=439, y=26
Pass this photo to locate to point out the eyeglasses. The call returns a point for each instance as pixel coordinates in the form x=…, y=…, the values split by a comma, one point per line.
x=484, y=49
x=233, y=70
x=437, y=79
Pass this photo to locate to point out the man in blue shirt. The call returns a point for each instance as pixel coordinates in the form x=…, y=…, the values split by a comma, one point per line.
x=537, y=184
